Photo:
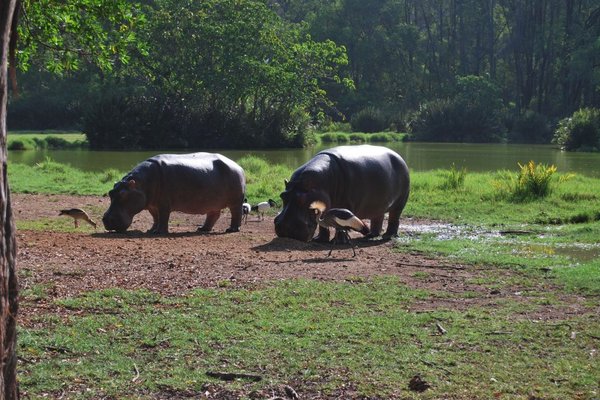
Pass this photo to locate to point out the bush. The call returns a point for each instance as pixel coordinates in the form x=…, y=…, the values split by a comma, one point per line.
x=532, y=182
x=580, y=131
x=151, y=122
x=368, y=120
x=454, y=179
x=358, y=137
x=16, y=145
x=531, y=127
x=474, y=114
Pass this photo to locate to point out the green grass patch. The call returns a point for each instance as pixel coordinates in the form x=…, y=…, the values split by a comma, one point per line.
x=480, y=202
x=28, y=140
x=318, y=336
x=359, y=137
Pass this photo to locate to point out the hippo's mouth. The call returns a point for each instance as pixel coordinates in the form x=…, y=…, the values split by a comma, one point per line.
x=111, y=225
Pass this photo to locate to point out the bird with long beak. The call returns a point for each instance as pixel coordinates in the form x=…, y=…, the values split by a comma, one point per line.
x=341, y=219
x=78, y=214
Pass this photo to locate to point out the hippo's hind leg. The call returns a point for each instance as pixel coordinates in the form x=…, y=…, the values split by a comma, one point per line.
x=211, y=220
x=236, y=219
x=394, y=218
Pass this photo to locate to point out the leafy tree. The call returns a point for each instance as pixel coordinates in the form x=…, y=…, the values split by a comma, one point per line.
x=242, y=70
x=86, y=23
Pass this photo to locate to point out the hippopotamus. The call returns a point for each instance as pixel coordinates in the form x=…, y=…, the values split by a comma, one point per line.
x=367, y=180
x=197, y=183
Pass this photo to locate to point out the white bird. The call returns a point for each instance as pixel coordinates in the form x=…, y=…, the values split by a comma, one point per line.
x=246, y=207
x=264, y=206
x=78, y=214
x=339, y=218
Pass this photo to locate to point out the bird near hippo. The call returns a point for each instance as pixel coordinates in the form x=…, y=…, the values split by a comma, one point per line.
x=263, y=206
x=369, y=180
x=341, y=219
x=78, y=215
x=196, y=183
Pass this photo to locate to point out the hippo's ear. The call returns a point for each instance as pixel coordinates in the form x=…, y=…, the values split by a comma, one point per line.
x=131, y=184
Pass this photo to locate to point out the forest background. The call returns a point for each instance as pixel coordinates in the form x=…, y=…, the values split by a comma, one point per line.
x=265, y=73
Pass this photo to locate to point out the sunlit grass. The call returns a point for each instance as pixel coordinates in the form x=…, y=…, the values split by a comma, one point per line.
x=29, y=140
x=316, y=336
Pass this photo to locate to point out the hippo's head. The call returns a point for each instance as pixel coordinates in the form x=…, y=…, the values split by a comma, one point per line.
x=296, y=220
x=126, y=200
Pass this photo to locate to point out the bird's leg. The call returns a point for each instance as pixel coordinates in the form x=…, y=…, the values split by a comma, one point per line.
x=333, y=243
x=340, y=236
x=351, y=244
x=75, y=222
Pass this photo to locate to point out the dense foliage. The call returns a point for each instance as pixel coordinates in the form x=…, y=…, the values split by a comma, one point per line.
x=580, y=131
x=259, y=72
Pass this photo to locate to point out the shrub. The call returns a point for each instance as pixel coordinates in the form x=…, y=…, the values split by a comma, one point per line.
x=368, y=120
x=532, y=182
x=531, y=127
x=580, y=131
x=16, y=145
x=473, y=114
x=454, y=179
x=358, y=137
x=383, y=137
x=329, y=137
x=161, y=122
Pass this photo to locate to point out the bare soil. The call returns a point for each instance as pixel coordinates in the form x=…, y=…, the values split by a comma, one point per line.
x=87, y=259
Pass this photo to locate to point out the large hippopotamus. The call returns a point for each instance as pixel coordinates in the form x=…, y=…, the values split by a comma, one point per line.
x=197, y=183
x=367, y=180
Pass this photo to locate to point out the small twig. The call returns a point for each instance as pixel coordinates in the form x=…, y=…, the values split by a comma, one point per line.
x=434, y=365
x=230, y=376
x=440, y=328
x=137, y=373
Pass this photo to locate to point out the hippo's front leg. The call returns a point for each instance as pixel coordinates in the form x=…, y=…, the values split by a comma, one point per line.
x=376, y=224
x=211, y=220
x=323, y=236
x=154, y=213
x=161, y=220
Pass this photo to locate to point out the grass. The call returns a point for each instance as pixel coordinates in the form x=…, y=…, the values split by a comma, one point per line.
x=361, y=335
x=359, y=137
x=29, y=140
x=131, y=344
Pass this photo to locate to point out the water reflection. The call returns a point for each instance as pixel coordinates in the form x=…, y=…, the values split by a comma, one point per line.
x=419, y=157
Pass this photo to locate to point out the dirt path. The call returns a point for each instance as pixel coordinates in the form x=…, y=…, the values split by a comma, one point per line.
x=71, y=263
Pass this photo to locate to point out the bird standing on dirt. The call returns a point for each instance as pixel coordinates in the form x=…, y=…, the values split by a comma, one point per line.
x=78, y=214
x=339, y=218
x=246, y=207
x=264, y=206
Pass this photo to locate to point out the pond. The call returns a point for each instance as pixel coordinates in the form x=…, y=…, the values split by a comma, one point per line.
x=419, y=157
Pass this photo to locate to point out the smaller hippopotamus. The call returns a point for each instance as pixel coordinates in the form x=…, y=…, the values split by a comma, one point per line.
x=197, y=183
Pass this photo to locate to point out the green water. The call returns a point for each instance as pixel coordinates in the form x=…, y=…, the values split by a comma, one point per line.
x=419, y=157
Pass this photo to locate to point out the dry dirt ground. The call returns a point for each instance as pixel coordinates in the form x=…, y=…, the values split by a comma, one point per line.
x=87, y=259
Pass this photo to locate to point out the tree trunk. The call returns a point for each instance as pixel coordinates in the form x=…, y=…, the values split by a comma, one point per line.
x=8, y=276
